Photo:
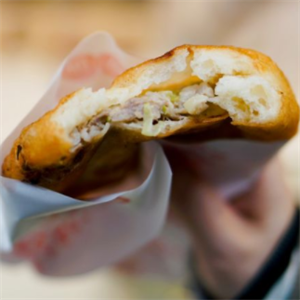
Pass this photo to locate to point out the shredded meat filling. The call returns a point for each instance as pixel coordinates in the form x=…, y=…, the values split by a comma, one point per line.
x=152, y=107
x=164, y=104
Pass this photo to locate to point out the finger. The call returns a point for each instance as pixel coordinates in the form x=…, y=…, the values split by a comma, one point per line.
x=266, y=196
x=209, y=215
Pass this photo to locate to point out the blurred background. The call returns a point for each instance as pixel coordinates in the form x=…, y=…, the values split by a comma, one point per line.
x=37, y=35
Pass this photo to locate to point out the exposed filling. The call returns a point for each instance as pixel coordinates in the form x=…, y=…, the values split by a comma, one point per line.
x=242, y=97
x=152, y=110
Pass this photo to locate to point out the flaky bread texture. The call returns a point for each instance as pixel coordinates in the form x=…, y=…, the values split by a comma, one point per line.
x=210, y=63
x=248, y=86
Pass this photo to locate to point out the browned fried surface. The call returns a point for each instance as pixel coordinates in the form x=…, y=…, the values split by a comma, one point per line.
x=41, y=155
x=284, y=127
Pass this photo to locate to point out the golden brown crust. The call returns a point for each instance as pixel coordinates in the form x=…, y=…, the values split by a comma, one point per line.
x=41, y=149
x=286, y=124
x=42, y=153
x=284, y=127
x=261, y=62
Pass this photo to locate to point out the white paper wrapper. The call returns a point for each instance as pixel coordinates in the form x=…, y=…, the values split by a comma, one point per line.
x=231, y=167
x=65, y=236
x=62, y=235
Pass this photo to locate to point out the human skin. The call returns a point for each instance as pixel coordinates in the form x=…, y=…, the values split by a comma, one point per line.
x=232, y=238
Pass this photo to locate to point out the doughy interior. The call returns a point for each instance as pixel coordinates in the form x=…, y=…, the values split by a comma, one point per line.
x=244, y=98
x=204, y=88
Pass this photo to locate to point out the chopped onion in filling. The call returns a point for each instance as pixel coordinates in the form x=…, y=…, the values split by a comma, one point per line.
x=148, y=128
x=196, y=104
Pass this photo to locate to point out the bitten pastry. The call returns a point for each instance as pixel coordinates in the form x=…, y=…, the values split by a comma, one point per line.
x=210, y=92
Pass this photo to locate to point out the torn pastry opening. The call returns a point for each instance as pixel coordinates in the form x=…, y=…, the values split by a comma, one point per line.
x=153, y=112
x=189, y=87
